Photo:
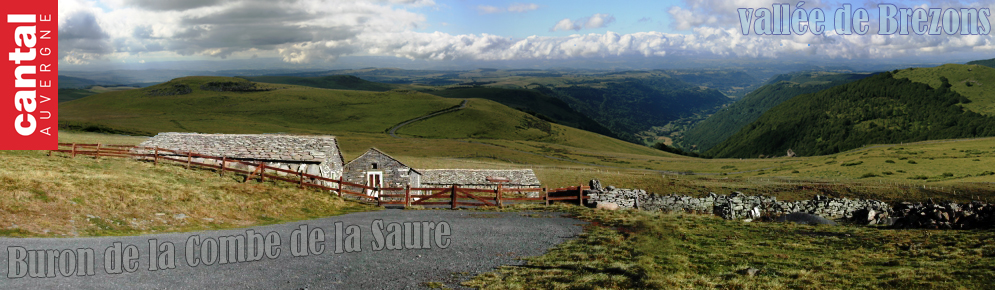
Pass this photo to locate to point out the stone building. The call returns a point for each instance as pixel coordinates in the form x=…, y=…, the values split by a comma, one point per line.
x=376, y=168
x=315, y=155
x=478, y=178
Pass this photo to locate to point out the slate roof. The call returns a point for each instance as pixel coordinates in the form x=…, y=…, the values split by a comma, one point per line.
x=293, y=148
x=524, y=177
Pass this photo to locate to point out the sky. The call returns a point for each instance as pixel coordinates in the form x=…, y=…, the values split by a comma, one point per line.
x=307, y=32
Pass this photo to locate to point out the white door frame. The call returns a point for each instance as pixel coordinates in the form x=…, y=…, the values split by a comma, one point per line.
x=379, y=174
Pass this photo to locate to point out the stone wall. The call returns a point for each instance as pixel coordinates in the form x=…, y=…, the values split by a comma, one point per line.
x=740, y=206
x=394, y=173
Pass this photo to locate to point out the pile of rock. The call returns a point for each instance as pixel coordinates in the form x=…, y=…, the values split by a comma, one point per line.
x=947, y=215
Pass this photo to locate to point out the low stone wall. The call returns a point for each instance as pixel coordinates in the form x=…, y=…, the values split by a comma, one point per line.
x=945, y=215
x=740, y=206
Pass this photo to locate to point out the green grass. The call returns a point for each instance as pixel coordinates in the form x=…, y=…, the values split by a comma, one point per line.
x=62, y=196
x=287, y=109
x=337, y=82
x=978, y=84
x=66, y=95
x=632, y=249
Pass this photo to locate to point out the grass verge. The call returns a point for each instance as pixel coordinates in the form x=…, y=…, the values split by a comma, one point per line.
x=636, y=249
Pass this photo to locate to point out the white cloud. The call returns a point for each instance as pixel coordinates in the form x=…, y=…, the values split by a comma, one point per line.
x=307, y=31
x=523, y=7
x=594, y=21
x=487, y=9
x=516, y=8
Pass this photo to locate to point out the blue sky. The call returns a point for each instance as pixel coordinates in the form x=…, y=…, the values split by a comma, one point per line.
x=309, y=32
x=465, y=17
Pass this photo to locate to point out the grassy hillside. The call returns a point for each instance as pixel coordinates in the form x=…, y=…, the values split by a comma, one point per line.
x=976, y=82
x=337, y=82
x=184, y=105
x=877, y=109
x=273, y=108
x=66, y=95
x=530, y=101
x=985, y=62
x=726, y=122
x=82, y=196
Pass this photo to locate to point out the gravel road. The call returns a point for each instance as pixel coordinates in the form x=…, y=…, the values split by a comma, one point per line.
x=476, y=242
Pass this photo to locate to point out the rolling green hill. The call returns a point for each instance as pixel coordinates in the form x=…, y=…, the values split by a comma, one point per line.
x=530, y=101
x=234, y=105
x=337, y=82
x=877, y=109
x=726, y=122
x=619, y=104
x=66, y=95
x=976, y=82
x=984, y=62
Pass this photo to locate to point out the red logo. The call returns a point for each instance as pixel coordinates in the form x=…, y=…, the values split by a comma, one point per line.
x=30, y=76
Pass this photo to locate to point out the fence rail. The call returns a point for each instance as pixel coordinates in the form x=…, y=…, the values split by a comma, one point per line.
x=407, y=196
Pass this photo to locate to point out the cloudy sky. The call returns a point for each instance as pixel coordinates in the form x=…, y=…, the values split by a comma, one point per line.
x=321, y=31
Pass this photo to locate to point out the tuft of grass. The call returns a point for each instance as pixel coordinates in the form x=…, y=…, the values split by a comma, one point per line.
x=855, y=163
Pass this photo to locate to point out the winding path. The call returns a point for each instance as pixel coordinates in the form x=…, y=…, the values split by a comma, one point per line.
x=402, y=124
x=478, y=242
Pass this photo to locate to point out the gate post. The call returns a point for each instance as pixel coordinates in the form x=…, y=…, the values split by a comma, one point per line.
x=224, y=160
x=545, y=196
x=580, y=195
x=407, y=195
x=498, y=197
x=453, y=206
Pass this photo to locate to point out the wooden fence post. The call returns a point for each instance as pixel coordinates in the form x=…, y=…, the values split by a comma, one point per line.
x=545, y=196
x=224, y=160
x=498, y=196
x=97, y=155
x=407, y=195
x=74, y=150
x=453, y=206
x=580, y=195
x=301, y=175
x=262, y=171
x=155, y=157
x=189, y=157
x=340, y=186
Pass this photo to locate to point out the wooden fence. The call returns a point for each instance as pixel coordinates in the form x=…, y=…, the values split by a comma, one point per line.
x=453, y=196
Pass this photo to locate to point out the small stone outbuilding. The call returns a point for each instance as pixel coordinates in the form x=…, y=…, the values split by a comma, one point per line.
x=315, y=155
x=376, y=168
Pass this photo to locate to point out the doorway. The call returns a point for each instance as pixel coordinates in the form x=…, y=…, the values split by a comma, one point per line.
x=374, y=179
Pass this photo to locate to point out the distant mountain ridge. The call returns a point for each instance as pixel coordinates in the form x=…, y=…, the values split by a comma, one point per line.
x=726, y=122
x=984, y=62
x=874, y=110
